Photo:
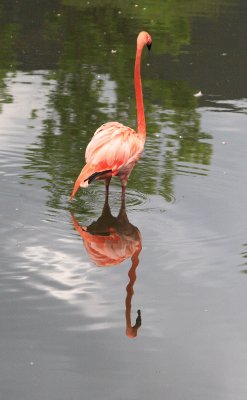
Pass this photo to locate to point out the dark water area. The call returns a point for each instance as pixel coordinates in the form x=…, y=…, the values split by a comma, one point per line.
x=164, y=316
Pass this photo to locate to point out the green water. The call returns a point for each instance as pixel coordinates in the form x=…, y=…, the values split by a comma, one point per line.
x=66, y=68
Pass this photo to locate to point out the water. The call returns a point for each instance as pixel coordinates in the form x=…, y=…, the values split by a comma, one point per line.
x=175, y=327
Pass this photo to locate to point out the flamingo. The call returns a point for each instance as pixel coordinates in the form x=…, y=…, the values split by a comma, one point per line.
x=114, y=148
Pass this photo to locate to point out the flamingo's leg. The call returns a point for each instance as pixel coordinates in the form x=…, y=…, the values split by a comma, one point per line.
x=124, y=181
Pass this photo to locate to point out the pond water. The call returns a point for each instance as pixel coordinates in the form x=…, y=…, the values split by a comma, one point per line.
x=167, y=318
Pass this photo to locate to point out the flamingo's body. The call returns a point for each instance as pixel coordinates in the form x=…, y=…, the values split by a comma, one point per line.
x=115, y=148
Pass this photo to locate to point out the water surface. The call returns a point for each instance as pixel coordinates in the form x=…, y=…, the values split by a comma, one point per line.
x=72, y=327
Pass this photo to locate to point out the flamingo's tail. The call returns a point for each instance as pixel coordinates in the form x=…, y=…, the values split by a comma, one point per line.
x=82, y=179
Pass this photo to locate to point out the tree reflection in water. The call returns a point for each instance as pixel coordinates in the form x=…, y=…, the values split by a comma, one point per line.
x=109, y=241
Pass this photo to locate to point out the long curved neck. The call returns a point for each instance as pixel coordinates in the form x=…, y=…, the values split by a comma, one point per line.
x=141, y=123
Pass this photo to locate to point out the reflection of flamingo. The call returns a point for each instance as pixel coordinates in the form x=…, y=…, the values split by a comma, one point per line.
x=109, y=241
x=115, y=148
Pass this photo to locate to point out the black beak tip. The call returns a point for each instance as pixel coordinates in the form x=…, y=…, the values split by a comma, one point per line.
x=149, y=46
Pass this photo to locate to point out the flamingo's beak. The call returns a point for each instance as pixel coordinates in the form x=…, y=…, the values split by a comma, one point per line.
x=149, y=46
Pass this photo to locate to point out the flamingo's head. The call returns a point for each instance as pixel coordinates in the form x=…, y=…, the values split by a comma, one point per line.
x=144, y=38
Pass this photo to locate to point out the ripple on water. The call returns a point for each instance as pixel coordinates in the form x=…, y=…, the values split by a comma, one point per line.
x=208, y=211
x=137, y=200
x=185, y=168
x=92, y=199
x=236, y=105
x=90, y=202
x=11, y=159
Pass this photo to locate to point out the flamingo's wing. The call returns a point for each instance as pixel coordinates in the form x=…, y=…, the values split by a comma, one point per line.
x=113, y=146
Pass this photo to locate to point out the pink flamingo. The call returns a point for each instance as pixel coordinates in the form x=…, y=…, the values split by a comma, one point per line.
x=114, y=148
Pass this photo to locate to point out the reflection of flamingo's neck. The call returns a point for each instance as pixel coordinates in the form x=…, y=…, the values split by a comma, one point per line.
x=131, y=331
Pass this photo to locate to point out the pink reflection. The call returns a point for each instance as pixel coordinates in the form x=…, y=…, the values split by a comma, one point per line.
x=109, y=241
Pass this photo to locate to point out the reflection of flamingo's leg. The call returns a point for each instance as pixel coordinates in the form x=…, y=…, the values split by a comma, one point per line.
x=122, y=216
x=107, y=183
x=123, y=196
